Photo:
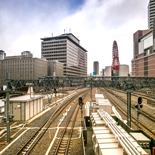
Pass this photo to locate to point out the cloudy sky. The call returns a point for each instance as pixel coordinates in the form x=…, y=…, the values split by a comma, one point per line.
x=97, y=23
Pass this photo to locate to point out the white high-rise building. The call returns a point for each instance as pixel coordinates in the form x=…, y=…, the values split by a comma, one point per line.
x=66, y=49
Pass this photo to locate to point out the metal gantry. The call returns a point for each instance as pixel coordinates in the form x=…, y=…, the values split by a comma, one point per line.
x=128, y=84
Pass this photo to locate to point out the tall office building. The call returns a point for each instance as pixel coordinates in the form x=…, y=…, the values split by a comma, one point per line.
x=96, y=67
x=67, y=50
x=151, y=13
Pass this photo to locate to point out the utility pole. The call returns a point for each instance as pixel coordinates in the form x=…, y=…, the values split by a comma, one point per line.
x=129, y=102
x=44, y=91
x=91, y=92
x=7, y=107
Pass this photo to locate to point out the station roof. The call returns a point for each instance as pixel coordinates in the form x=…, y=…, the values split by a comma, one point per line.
x=25, y=98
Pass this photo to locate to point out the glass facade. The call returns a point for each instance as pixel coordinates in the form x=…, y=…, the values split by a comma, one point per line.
x=148, y=42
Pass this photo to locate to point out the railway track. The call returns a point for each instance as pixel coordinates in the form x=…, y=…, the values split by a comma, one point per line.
x=133, y=107
x=141, y=125
x=145, y=96
x=62, y=144
x=35, y=138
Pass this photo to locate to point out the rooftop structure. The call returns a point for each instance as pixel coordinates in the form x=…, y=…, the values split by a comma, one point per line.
x=2, y=54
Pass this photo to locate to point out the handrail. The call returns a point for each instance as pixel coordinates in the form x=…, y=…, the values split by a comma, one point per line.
x=124, y=141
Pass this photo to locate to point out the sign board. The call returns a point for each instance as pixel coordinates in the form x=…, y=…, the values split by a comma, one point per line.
x=4, y=87
x=94, y=73
x=40, y=79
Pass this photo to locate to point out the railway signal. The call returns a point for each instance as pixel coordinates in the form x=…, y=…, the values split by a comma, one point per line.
x=55, y=90
x=138, y=107
x=81, y=105
x=139, y=100
x=80, y=102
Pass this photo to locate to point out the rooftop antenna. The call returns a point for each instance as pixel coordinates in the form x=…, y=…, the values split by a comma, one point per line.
x=52, y=34
x=64, y=31
x=69, y=30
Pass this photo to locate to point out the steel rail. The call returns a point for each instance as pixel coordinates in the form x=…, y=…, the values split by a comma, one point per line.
x=132, y=106
x=132, y=118
x=39, y=133
x=136, y=94
x=70, y=133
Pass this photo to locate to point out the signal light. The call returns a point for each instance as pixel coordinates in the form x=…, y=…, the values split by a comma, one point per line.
x=139, y=100
x=141, y=106
x=136, y=106
x=80, y=100
x=55, y=90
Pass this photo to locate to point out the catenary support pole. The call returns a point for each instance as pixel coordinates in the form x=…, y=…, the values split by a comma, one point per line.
x=7, y=108
x=91, y=104
x=129, y=103
x=44, y=92
x=129, y=109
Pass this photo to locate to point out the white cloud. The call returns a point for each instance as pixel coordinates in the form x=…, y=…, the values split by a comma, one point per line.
x=91, y=24
x=97, y=24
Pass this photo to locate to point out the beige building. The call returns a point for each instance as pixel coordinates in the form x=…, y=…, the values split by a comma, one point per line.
x=23, y=67
x=123, y=70
x=55, y=68
x=66, y=49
